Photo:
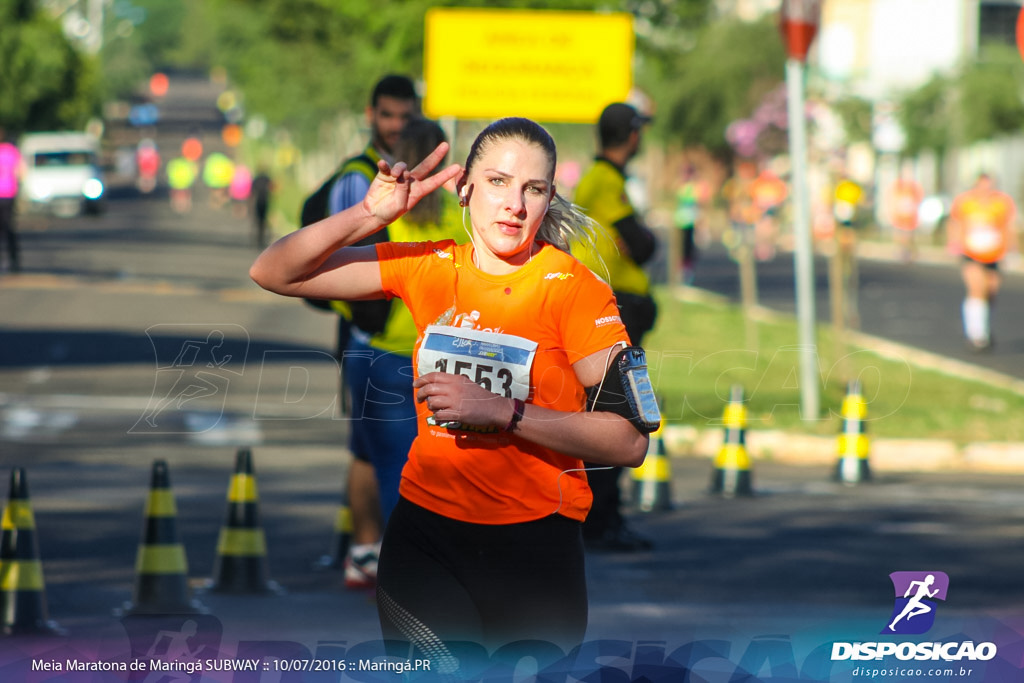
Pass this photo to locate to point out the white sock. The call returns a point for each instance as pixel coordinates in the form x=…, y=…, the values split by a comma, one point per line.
x=975, y=314
x=364, y=549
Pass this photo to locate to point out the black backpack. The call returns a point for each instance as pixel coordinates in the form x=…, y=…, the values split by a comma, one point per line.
x=369, y=316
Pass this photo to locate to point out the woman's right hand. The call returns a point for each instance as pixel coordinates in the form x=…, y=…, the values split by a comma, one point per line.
x=396, y=189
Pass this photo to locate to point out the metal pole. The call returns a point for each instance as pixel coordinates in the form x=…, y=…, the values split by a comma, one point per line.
x=95, y=41
x=803, y=255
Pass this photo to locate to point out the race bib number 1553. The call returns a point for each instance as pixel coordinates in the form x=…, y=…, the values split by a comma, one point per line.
x=499, y=363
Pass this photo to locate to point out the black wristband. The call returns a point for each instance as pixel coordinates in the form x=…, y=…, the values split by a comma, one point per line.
x=518, y=406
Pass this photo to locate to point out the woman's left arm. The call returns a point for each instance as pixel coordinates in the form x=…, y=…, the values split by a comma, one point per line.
x=598, y=437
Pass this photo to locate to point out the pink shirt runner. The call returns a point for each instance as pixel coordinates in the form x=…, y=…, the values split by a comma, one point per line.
x=10, y=160
x=241, y=183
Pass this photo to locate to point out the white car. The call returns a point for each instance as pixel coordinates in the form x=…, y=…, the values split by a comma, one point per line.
x=62, y=173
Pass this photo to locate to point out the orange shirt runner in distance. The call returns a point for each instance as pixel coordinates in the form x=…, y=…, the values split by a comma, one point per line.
x=983, y=220
x=905, y=197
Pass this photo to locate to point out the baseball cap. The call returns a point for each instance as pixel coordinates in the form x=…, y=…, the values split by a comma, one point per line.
x=618, y=118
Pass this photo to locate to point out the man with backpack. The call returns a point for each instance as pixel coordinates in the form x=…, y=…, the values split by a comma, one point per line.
x=393, y=104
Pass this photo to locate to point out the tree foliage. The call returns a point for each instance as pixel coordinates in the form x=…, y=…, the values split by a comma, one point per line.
x=125, y=65
x=989, y=93
x=856, y=115
x=729, y=71
x=925, y=116
x=46, y=83
x=981, y=100
x=300, y=63
x=169, y=31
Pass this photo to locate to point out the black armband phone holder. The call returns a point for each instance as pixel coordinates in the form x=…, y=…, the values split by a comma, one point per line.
x=626, y=390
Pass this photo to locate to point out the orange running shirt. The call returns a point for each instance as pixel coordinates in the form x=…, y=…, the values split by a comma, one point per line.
x=555, y=301
x=987, y=219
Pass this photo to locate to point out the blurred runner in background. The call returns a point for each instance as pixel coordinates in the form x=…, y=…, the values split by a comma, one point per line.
x=239, y=190
x=743, y=212
x=902, y=204
x=848, y=196
x=768, y=192
x=12, y=169
x=262, y=189
x=147, y=161
x=181, y=176
x=982, y=229
x=217, y=173
x=692, y=199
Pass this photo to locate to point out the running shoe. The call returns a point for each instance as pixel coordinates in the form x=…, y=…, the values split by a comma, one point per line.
x=361, y=568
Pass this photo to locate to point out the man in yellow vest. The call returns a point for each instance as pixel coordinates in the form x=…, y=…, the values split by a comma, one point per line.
x=623, y=244
x=393, y=104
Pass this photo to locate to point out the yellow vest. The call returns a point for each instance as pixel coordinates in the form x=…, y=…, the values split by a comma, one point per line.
x=400, y=332
x=601, y=193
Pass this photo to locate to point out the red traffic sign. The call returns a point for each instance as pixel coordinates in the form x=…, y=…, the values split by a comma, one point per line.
x=798, y=22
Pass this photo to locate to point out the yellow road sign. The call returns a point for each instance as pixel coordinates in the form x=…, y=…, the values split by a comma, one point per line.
x=552, y=66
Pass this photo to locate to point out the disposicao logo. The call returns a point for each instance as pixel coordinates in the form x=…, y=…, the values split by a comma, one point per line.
x=913, y=613
x=914, y=608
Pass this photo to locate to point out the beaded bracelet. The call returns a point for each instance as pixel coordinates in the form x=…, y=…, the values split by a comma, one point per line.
x=518, y=406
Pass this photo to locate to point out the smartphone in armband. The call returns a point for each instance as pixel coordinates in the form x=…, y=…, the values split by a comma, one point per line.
x=626, y=390
x=640, y=395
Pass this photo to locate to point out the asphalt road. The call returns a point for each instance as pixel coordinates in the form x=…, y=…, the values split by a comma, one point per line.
x=916, y=304
x=137, y=336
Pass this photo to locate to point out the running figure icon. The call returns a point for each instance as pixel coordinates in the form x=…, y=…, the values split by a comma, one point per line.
x=175, y=651
x=915, y=606
x=194, y=368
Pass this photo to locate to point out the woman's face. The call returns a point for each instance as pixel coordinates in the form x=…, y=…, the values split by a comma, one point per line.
x=509, y=189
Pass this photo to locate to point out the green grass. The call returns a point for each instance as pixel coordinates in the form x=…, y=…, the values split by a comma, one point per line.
x=699, y=350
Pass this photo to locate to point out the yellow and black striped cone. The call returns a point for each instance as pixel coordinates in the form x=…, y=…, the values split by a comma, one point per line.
x=854, y=448
x=161, y=568
x=23, y=598
x=241, y=564
x=652, y=481
x=342, y=539
x=731, y=475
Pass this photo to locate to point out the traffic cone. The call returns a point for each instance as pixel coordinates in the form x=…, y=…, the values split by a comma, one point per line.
x=731, y=475
x=161, y=568
x=241, y=564
x=22, y=589
x=854, y=449
x=652, y=481
x=342, y=539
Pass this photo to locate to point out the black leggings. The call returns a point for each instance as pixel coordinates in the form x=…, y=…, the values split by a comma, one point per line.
x=442, y=580
x=8, y=234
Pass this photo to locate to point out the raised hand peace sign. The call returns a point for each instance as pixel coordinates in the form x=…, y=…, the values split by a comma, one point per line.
x=396, y=189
